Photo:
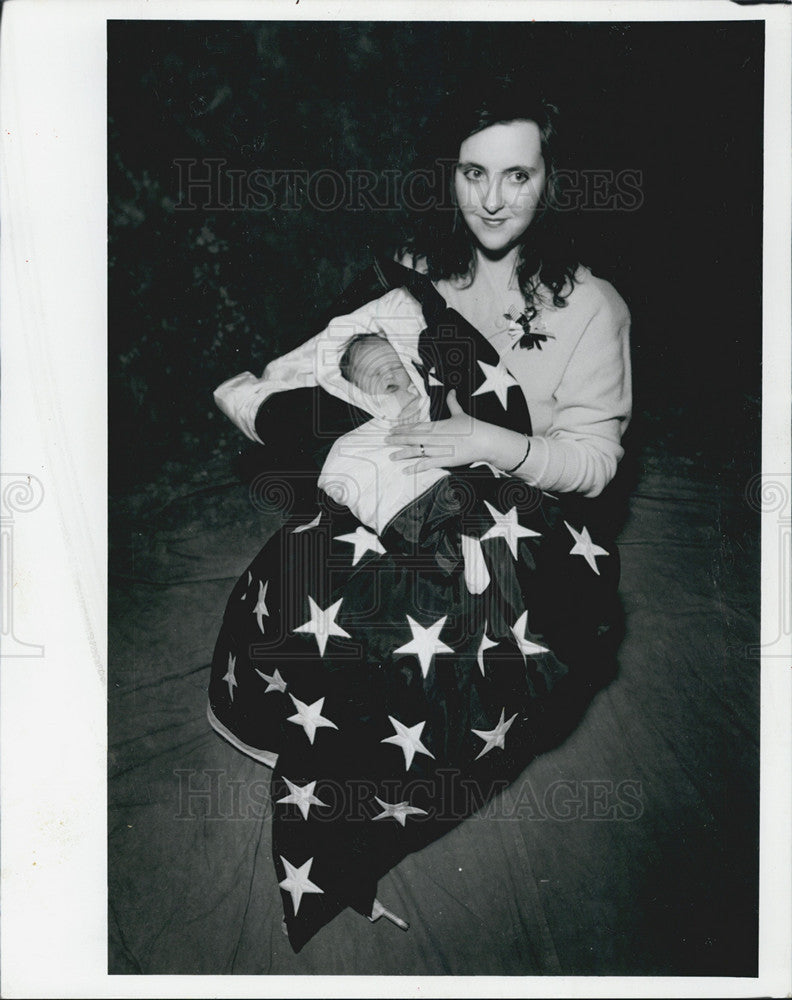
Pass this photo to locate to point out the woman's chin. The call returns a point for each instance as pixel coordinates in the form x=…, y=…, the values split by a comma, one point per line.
x=494, y=246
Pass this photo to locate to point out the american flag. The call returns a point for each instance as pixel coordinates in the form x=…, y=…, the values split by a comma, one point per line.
x=393, y=693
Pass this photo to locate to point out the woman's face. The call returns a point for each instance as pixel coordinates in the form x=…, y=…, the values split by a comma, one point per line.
x=499, y=182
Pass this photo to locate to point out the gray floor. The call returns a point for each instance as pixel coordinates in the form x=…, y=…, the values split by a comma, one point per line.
x=653, y=877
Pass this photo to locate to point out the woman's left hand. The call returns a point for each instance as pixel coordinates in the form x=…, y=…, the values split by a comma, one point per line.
x=459, y=440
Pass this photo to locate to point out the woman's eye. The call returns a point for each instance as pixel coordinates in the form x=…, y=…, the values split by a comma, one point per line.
x=520, y=176
x=472, y=173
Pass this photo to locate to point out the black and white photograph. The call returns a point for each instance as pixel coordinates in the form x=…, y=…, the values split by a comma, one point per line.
x=434, y=393
x=437, y=499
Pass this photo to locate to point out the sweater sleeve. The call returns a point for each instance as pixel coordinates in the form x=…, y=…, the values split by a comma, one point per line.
x=592, y=405
x=242, y=397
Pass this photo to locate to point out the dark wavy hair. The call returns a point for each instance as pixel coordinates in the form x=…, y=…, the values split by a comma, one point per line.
x=439, y=239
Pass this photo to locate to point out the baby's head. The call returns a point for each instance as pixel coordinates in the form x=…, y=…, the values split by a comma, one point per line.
x=370, y=362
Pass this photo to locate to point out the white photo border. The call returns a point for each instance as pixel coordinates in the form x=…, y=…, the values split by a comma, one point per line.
x=53, y=320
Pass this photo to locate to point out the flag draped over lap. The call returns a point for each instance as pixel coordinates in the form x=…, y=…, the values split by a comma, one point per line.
x=393, y=680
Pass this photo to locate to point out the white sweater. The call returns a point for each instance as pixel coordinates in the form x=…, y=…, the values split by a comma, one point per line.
x=578, y=386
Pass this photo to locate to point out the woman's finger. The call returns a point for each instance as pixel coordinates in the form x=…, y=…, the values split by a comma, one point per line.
x=453, y=406
x=436, y=435
x=410, y=433
x=441, y=452
x=429, y=462
x=411, y=452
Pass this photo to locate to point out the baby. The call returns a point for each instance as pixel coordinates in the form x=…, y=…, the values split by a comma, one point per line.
x=371, y=363
x=358, y=471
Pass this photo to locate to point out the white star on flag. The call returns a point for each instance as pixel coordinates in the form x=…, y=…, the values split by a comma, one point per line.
x=398, y=810
x=297, y=881
x=303, y=797
x=363, y=541
x=433, y=380
x=585, y=547
x=261, y=608
x=310, y=717
x=525, y=645
x=274, y=683
x=323, y=623
x=485, y=644
x=425, y=642
x=305, y=527
x=497, y=379
x=507, y=526
x=409, y=739
x=495, y=737
x=229, y=678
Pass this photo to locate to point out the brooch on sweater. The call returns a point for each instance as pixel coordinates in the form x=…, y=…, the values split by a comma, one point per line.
x=521, y=332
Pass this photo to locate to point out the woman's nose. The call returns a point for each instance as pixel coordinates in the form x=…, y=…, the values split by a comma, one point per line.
x=493, y=200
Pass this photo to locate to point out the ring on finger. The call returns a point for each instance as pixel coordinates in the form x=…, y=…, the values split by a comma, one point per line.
x=423, y=450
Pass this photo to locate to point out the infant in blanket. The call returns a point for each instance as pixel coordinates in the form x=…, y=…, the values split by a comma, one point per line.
x=358, y=471
x=371, y=363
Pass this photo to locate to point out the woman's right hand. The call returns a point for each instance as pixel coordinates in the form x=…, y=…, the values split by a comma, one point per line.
x=458, y=440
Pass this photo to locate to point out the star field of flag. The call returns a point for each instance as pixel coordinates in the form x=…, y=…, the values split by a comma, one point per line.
x=304, y=670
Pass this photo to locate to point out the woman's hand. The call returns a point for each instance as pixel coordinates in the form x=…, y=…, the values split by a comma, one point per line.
x=459, y=440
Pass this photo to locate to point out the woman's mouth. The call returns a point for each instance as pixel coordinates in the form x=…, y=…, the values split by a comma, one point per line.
x=492, y=223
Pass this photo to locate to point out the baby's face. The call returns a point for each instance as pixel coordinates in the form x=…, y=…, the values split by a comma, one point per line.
x=377, y=369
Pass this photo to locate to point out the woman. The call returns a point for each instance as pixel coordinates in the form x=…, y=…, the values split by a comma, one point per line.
x=510, y=260
x=393, y=680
